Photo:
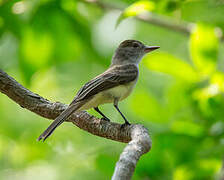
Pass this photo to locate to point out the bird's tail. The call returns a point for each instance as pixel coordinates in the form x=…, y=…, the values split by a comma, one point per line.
x=59, y=120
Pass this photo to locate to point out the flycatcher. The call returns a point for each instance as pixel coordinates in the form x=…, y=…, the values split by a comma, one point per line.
x=112, y=86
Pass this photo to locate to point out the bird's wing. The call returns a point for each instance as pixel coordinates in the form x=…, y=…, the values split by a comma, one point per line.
x=114, y=76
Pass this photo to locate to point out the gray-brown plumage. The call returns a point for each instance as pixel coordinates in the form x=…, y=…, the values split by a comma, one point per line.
x=114, y=76
x=112, y=86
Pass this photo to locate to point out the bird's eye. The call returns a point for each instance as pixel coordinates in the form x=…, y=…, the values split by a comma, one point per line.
x=135, y=45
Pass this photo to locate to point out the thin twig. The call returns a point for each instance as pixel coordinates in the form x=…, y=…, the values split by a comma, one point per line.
x=182, y=27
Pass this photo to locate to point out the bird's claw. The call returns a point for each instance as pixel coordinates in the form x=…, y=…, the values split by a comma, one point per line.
x=105, y=119
x=125, y=124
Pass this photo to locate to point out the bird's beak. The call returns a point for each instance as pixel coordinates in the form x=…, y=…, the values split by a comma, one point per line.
x=150, y=48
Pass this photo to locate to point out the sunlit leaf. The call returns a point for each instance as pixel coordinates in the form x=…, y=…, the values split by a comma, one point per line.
x=166, y=63
x=187, y=128
x=182, y=173
x=218, y=80
x=36, y=48
x=215, y=87
x=210, y=165
x=209, y=98
x=204, y=48
x=35, y=52
x=136, y=9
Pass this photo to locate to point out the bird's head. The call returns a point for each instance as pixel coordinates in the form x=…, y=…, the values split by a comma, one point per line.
x=131, y=51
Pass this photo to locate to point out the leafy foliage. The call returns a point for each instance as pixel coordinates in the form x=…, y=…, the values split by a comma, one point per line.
x=52, y=47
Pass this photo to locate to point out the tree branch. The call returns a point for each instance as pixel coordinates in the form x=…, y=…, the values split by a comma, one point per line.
x=182, y=27
x=136, y=135
x=139, y=145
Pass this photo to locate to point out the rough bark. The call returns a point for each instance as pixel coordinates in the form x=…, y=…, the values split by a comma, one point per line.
x=139, y=145
x=136, y=135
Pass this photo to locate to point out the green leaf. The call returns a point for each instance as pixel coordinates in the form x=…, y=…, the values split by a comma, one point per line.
x=204, y=48
x=37, y=48
x=35, y=52
x=136, y=9
x=182, y=172
x=182, y=127
x=166, y=63
x=211, y=165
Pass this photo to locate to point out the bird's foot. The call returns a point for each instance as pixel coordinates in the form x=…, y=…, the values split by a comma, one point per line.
x=105, y=119
x=125, y=124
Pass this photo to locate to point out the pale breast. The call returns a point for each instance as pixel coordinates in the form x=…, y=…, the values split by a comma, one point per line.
x=108, y=96
x=122, y=91
x=98, y=99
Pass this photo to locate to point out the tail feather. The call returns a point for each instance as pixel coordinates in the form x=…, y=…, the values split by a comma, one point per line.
x=58, y=121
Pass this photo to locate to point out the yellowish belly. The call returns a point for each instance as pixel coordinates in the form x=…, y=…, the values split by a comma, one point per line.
x=108, y=96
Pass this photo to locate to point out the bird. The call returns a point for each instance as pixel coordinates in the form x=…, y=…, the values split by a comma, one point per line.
x=112, y=86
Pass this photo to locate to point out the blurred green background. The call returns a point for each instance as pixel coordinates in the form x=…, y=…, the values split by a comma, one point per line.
x=53, y=47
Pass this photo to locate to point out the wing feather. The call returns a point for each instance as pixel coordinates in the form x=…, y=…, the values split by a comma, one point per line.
x=114, y=76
